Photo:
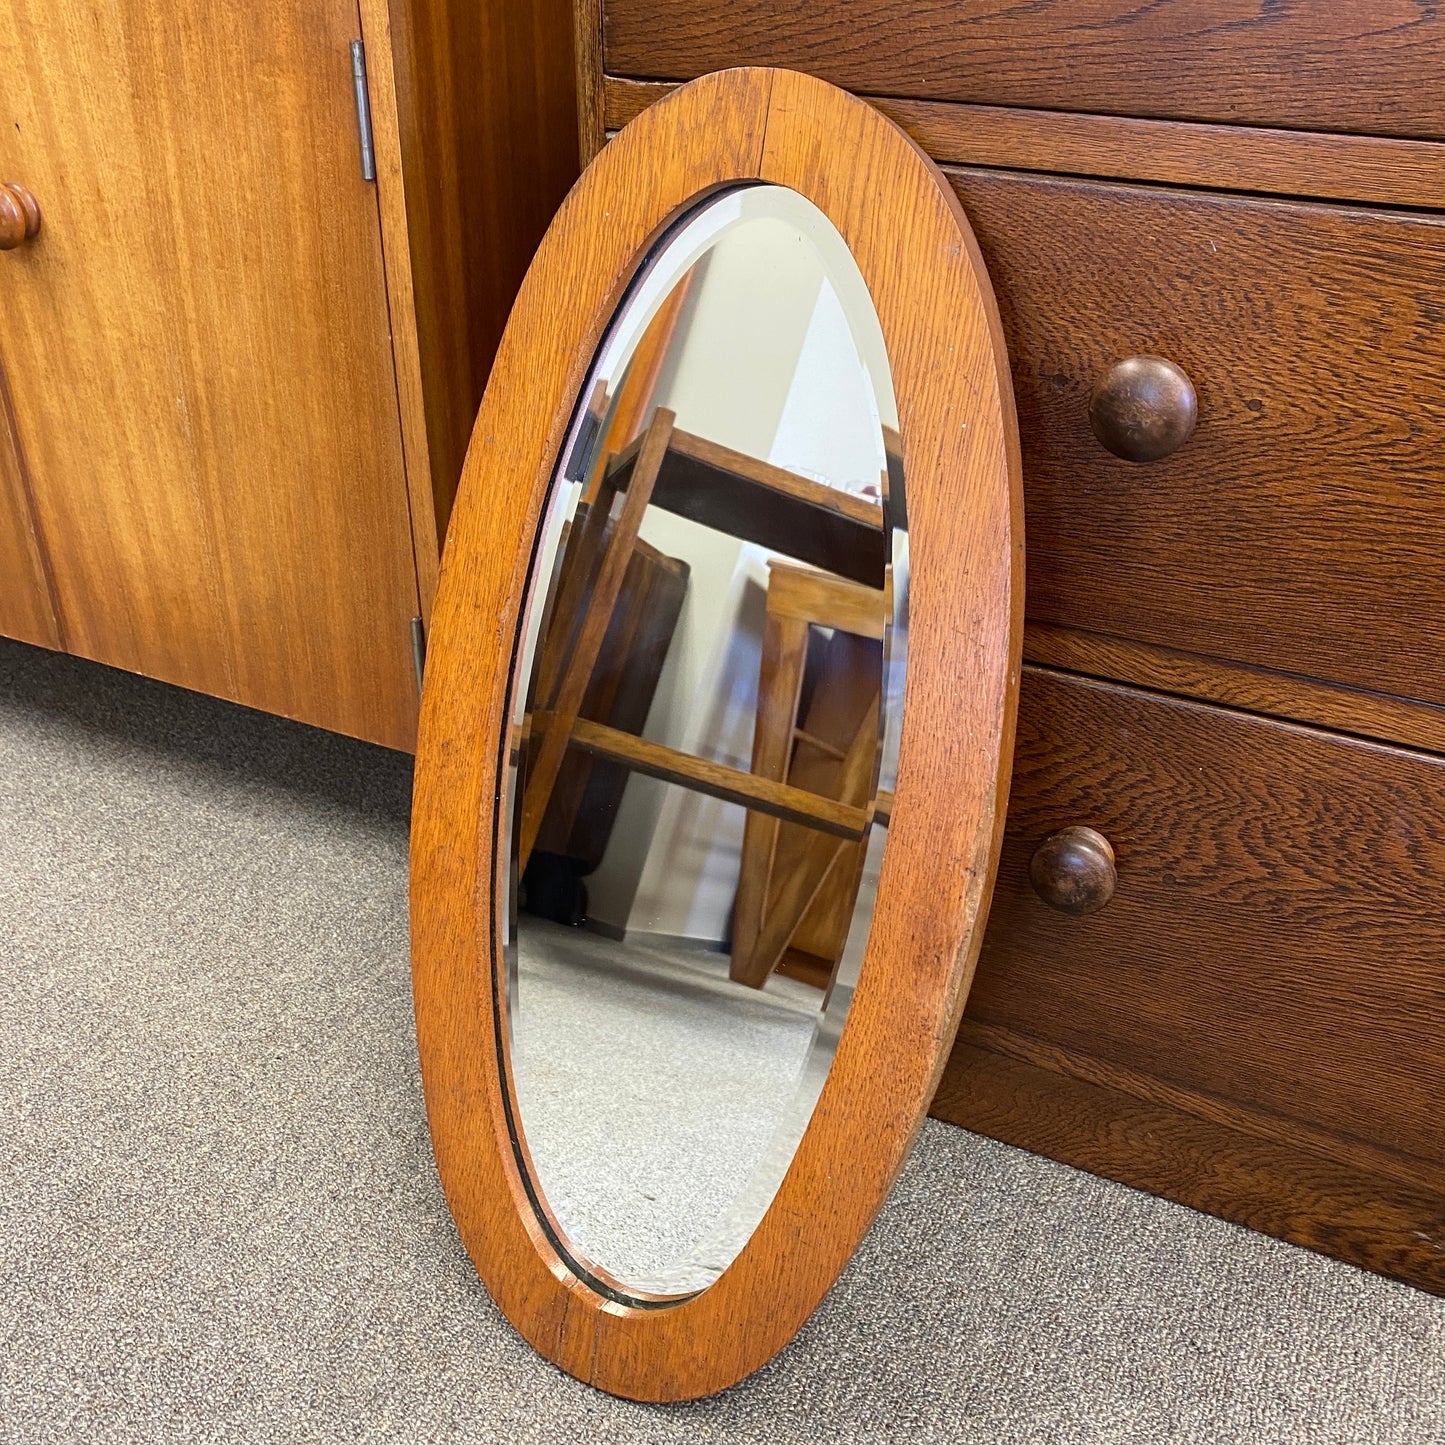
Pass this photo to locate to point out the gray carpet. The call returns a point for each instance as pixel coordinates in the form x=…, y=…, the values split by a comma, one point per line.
x=219, y=1218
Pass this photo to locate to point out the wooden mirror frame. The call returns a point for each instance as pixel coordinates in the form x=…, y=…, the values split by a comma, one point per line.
x=917, y=254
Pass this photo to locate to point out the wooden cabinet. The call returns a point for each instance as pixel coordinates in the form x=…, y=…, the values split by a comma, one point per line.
x=232, y=360
x=1234, y=649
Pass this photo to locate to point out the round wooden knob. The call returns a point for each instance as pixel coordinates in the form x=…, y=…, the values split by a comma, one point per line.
x=1073, y=870
x=19, y=215
x=1143, y=408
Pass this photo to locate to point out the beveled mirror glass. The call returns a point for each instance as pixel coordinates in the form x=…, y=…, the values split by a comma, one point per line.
x=706, y=702
x=716, y=733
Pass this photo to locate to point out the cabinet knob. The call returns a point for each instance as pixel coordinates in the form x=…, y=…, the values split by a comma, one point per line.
x=1143, y=408
x=19, y=215
x=1073, y=870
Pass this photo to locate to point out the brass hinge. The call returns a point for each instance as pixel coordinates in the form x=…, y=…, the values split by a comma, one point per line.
x=363, y=110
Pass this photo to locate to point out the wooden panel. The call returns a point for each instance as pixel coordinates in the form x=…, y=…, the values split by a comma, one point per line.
x=1348, y=1211
x=1277, y=935
x=588, y=793
x=1252, y=689
x=741, y=496
x=587, y=44
x=476, y=110
x=26, y=610
x=1282, y=162
x=1314, y=487
x=1364, y=65
x=198, y=352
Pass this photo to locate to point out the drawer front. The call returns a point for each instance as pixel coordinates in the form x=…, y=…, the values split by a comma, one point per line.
x=1302, y=527
x=1277, y=938
x=1372, y=68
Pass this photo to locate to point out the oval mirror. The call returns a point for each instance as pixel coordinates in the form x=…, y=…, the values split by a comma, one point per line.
x=716, y=730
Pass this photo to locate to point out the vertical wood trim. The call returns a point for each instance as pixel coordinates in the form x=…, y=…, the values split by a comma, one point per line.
x=587, y=42
x=381, y=61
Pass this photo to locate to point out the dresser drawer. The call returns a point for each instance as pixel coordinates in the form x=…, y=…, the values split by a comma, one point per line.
x=1372, y=68
x=1277, y=938
x=1302, y=527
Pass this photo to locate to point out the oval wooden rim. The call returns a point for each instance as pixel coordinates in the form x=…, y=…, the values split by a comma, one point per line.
x=945, y=346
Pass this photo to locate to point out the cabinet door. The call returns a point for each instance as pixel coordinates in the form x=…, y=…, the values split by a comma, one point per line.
x=198, y=352
x=25, y=610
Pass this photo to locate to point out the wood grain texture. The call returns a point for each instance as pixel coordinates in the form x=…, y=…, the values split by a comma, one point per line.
x=944, y=345
x=427, y=527
x=483, y=107
x=1272, y=1185
x=1278, y=927
x=1373, y=169
x=27, y=608
x=587, y=49
x=1423, y=1175
x=1370, y=66
x=1314, y=485
x=206, y=405
x=1250, y=689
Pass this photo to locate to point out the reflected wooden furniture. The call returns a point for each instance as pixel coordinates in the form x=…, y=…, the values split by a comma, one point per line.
x=738, y=496
x=237, y=375
x=577, y=823
x=1237, y=649
x=796, y=886
x=579, y=621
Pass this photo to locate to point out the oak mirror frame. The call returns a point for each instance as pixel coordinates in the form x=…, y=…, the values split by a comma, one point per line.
x=917, y=255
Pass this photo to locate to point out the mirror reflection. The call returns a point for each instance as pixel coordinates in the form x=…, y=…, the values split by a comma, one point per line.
x=705, y=716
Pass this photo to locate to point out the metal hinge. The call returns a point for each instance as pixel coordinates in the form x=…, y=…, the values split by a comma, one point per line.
x=363, y=110
x=418, y=650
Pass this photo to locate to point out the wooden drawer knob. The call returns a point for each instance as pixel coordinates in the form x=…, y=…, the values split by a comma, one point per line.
x=1073, y=870
x=1143, y=408
x=19, y=215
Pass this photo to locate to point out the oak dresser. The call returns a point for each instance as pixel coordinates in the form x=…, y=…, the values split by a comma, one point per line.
x=1235, y=657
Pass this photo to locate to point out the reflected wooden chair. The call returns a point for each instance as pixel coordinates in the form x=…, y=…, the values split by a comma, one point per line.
x=796, y=887
x=754, y=501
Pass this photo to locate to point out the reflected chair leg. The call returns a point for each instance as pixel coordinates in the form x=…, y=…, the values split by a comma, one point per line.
x=549, y=741
x=578, y=578
x=785, y=912
x=780, y=680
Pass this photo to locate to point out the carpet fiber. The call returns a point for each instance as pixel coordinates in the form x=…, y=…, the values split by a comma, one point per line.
x=219, y=1218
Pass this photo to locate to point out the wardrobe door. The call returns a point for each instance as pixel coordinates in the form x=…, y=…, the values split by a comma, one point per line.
x=198, y=352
